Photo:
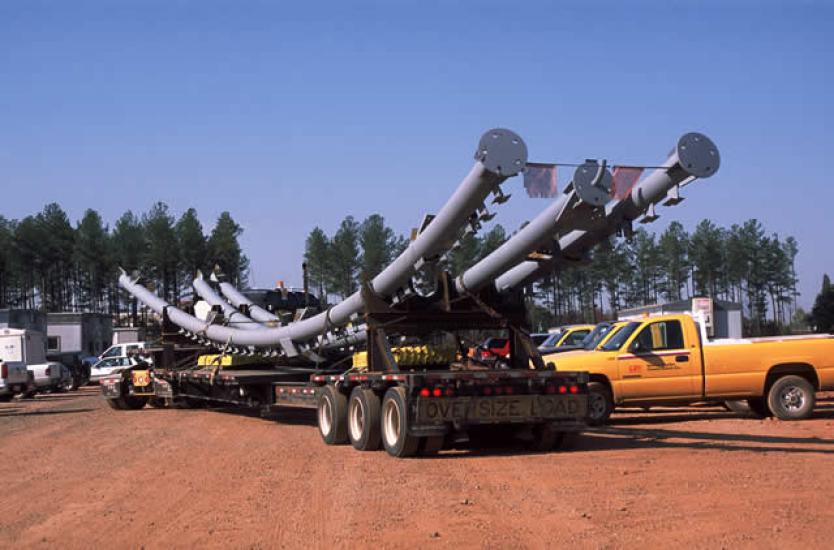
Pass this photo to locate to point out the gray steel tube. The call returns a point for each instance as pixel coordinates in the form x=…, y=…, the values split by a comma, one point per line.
x=237, y=298
x=501, y=154
x=234, y=317
x=695, y=156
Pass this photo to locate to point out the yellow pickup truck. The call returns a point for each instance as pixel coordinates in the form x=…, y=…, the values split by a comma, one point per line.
x=668, y=360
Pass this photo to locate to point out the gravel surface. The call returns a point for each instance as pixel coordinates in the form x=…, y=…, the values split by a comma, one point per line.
x=77, y=474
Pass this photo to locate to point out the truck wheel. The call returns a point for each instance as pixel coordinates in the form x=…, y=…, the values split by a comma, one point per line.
x=363, y=419
x=332, y=416
x=791, y=398
x=395, y=437
x=600, y=403
x=134, y=403
x=545, y=438
x=157, y=402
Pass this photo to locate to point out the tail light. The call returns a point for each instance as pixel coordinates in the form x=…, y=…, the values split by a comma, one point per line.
x=437, y=392
x=574, y=389
x=499, y=390
x=550, y=389
x=449, y=392
x=425, y=392
x=563, y=389
x=487, y=390
x=508, y=390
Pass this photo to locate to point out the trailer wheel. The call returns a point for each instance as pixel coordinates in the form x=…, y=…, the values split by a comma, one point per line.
x=791, y=398
x=545, y=438
x=600, y=403
x=332, y=416
x=363, y=419
x=395, y=437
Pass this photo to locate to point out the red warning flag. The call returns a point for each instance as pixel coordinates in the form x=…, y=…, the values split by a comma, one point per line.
x=540, y=180
x=625, y=177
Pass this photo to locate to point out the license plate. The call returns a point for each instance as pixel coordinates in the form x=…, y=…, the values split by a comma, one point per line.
x=141, y=378
x=490, y=409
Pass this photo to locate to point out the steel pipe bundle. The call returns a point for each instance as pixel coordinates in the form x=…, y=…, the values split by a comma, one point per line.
x=695, y=156
x=230, y=313
x=501, y=154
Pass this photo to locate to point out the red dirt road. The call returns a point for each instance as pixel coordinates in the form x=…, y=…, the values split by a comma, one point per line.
x=77, y=474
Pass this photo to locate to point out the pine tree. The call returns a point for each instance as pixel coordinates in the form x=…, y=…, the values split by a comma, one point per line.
x=161, y=256
x=345, y=258
x=317, y=258
x=224, y=249
x=192, y=246
x=822, y=314
x=674, y=260
x=378, y=245
x=93, y=261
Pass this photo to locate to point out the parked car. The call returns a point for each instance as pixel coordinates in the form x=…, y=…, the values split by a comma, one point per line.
x=539, y=338
x=111, y=365
x=127, y=349
x=13, y=379
x=74, y=361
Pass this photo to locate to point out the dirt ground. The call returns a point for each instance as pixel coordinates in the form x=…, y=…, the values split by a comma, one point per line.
x=77, y=474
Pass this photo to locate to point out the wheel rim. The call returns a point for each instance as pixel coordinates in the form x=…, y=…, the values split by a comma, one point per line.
x=356, y=414
x=325, y=416
x=792, y=398
x=391, y=422
x=596, y=406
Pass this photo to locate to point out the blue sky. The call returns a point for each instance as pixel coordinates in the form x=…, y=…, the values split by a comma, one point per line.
x=294, y=114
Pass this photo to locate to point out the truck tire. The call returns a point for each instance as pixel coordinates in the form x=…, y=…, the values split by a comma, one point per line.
x=600, y=403
x=127, y=403
x=363, y=419
x=332, y=416
x=545, y=438
x=116, y=404
x=157, y=402
x=791, y=398
x=394, y=424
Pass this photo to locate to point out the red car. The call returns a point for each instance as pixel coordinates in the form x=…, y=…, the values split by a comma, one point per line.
x=492, y=349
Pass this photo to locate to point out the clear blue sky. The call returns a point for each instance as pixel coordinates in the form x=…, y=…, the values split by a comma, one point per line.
x=292, y=114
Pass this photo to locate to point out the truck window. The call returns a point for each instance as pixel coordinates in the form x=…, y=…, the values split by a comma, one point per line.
x=660, y=336
x=114, y=351
x=620, y=337
x=575, y=338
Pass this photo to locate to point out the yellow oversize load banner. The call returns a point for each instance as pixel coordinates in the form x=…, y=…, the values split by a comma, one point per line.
x=141, y=378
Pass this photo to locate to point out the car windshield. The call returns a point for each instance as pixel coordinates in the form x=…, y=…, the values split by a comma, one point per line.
x=551, y=340
x=595, y=336
x=617, y=341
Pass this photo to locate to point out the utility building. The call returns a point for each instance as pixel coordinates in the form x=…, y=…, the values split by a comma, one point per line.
x=86, y=333
x=24, y=319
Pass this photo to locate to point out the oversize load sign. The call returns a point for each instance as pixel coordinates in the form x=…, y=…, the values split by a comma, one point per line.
x=500, y=408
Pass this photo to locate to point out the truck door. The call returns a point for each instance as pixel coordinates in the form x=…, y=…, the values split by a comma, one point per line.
x=658, y=365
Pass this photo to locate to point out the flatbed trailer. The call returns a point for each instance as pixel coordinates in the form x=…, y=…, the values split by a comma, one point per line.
x=406, y=410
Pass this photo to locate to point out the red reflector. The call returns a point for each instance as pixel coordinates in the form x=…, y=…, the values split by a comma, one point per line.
x=437, y=392
x=508, y=390
x=450, y=392
x=425, y=392
x=563, y=389
x=499, y=390
x=550, y=389
x=487, y=391
x=574, y=389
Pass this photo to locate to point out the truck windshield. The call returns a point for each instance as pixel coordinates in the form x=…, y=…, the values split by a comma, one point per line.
x=617, y=341
x=595, y=336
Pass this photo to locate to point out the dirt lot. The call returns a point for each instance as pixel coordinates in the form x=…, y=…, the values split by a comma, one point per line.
x=77, y=474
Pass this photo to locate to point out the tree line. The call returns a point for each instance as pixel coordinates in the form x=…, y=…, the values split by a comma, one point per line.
x=48, y=263
x=742, y=264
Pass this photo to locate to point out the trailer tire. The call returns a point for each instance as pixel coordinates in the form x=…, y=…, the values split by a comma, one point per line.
x=331, y=413
x=546, y=436
x=600, y=403
x=363, y=419
x=791, y=398
x=394, y=424
x=134, y=403
x=116, y=404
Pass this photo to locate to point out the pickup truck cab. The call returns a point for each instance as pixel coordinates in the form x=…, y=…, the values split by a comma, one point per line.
x=668, y=360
